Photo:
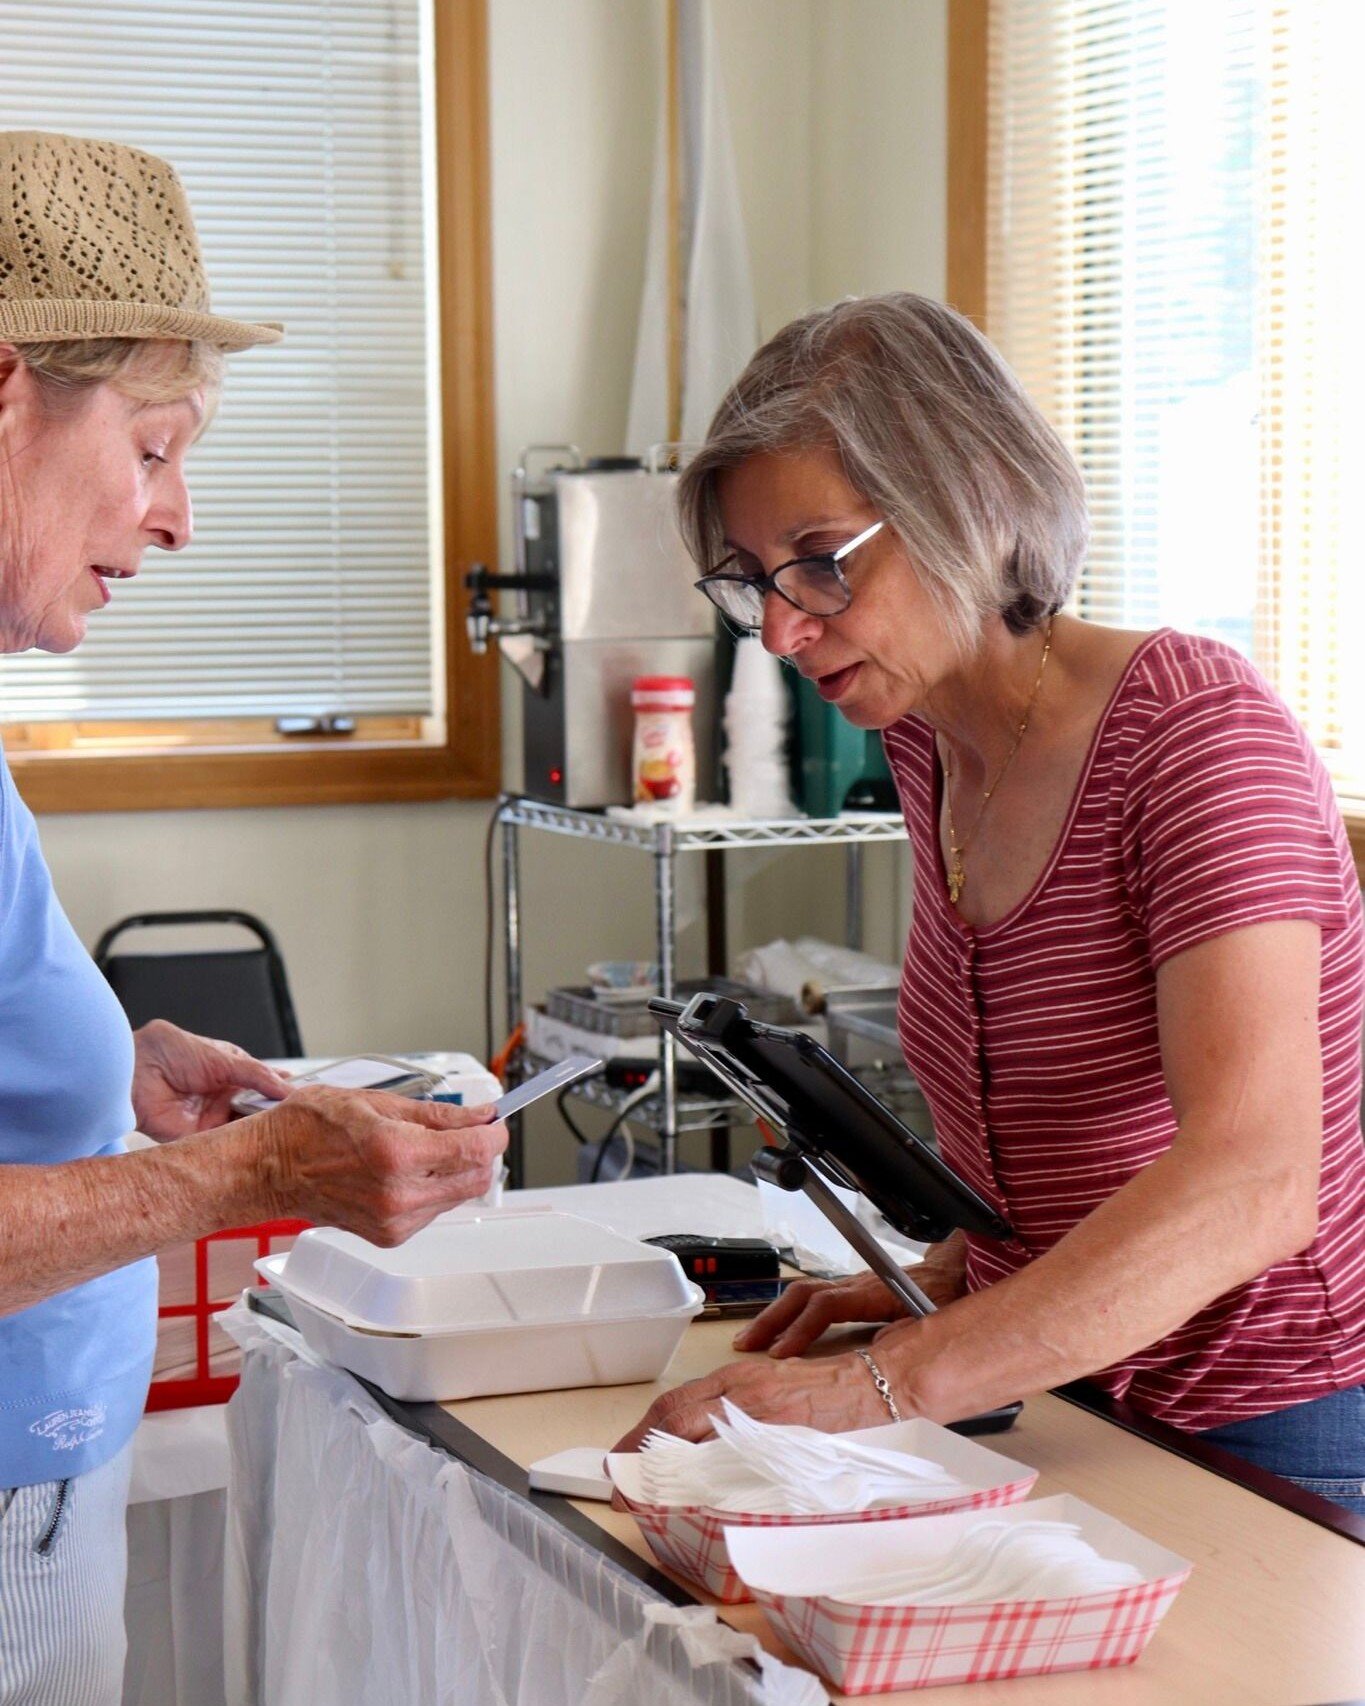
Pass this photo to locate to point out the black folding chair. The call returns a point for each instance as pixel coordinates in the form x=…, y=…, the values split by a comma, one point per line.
x=239, y=995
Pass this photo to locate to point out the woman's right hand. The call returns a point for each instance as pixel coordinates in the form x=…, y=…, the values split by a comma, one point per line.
x=809, y=1307
x=378, y=1165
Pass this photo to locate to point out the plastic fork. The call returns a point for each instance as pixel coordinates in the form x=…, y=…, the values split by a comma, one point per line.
x=822, y=1451
x=1017, y=1562
x=769, y=1469
x=827, y=1473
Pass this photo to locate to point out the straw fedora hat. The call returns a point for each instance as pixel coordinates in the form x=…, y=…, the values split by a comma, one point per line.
x=97, y=241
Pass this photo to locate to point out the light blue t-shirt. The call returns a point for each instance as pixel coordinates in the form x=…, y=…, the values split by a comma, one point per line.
x=74, y=1368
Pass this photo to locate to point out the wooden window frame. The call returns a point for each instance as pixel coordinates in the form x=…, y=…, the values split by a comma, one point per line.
x=968, y=67
x=343, y=770
x=968, y=64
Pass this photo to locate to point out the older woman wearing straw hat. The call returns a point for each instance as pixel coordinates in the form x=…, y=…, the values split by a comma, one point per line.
x=1132, y=990
x=110, y=360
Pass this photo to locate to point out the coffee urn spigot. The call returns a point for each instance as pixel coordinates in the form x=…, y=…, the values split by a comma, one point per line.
x=482, y=625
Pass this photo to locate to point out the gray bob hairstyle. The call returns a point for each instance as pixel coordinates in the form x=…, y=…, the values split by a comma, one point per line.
x=934, y=430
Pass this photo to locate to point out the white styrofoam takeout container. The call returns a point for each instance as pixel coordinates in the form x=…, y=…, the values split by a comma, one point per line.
x=796, y=1575
x=480, y=1304
x=691, y=1538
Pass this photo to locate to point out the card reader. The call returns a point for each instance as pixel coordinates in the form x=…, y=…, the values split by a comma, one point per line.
x=739, y=1276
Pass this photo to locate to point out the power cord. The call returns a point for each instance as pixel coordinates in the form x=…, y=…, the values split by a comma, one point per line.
x=562, y=1103
x=649, y=1088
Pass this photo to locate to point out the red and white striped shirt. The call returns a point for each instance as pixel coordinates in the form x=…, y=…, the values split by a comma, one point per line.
x=1201, y=808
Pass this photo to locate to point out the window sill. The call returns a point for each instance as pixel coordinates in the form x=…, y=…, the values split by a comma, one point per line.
x=304, y=773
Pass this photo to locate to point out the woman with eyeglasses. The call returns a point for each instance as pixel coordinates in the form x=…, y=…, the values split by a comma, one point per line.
x=1132, y=989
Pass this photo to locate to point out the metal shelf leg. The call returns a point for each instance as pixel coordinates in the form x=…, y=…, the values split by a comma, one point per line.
x=853, y=895
x=511, y=887
x=717, y=964
x=665, y=914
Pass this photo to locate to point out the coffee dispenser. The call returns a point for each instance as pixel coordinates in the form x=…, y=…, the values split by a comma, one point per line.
x=602, y=593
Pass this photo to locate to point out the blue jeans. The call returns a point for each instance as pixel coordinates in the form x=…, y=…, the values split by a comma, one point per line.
x=1320, y=1445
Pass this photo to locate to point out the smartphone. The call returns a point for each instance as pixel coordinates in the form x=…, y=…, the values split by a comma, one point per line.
x=566, y=1071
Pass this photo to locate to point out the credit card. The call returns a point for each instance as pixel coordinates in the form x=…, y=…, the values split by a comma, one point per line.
x=566, y=1071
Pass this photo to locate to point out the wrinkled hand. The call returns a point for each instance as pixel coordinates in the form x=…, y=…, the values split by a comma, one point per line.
x=183, y=1083
x=834, y=1394
x=378, y=1165
x=808, y=1307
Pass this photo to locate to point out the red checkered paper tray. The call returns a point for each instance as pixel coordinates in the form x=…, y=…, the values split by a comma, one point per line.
x=690, y=1539
x=796, y=1577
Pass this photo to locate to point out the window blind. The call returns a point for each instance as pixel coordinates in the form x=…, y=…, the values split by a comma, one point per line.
x=1173, y=249
x=299, y=129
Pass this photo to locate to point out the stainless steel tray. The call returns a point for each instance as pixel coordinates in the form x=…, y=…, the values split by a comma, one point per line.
x=576, y=1005
x=867, y=1012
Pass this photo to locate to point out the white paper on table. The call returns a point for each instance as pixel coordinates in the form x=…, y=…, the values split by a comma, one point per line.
x=792, y=1222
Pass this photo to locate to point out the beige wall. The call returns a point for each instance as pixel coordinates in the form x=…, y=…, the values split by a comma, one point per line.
x=878, y=150
x=837, y=111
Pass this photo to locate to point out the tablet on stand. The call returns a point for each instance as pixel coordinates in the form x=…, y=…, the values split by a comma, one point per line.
x=836, y=1131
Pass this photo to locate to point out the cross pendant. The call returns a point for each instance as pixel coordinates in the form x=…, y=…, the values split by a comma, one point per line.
x=956, y=878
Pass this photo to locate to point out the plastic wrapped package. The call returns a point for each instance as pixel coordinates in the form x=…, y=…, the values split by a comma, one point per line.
x=364, y=1566
x=806, y=968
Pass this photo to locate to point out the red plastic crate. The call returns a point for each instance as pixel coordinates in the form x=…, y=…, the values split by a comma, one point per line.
x=199, y=1268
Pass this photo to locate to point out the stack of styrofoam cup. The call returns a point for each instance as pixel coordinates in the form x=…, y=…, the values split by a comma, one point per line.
x=757, y=713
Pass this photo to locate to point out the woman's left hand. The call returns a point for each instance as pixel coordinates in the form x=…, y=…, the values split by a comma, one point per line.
x=834, y=1394
x=183, y=1084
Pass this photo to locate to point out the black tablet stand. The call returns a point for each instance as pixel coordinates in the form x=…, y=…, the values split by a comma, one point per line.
x=708, y=1027
x=790, y=1170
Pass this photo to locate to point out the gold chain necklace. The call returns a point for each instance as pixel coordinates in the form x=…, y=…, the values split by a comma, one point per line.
x=957, y=875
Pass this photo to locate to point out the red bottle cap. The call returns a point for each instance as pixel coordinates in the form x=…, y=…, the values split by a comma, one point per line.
x=662, y=693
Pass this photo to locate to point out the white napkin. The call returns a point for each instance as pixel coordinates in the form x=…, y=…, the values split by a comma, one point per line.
x=998, y=1560
x=770, y=1469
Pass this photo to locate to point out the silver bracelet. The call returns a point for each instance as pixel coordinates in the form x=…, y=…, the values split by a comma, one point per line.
x=882, y=1384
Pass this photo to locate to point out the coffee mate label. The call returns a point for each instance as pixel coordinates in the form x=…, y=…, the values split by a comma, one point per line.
x=664, y=767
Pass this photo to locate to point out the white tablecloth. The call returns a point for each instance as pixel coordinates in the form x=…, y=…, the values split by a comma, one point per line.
x=173, y=1609
x=366, y=1568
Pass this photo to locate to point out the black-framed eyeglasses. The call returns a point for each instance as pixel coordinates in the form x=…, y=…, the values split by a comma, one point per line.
x=815, y=585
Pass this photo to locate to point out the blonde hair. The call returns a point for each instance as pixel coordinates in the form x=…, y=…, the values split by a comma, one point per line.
x=934, y=430
x=156, y=370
